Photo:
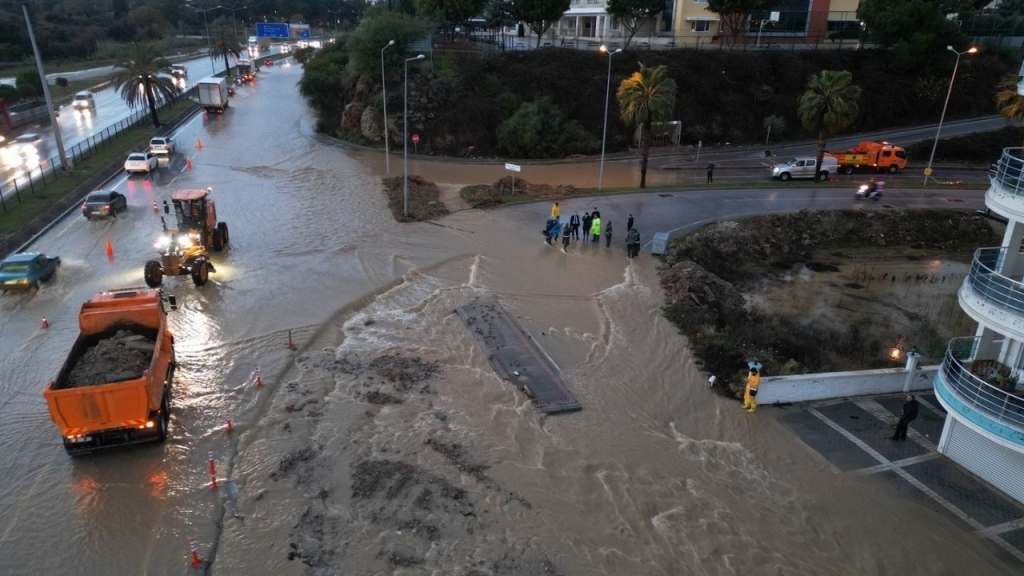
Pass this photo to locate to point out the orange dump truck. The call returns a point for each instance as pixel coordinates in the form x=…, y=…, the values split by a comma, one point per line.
x=875, y=155
x=115, y=387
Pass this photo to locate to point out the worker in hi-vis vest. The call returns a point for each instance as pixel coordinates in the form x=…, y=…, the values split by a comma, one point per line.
x=753, y=381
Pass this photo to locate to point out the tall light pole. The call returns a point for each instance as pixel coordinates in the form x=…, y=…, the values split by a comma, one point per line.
x=64, y=164
x=971, y=50
x=607, y=97
x=335, y=13
x=234, y=24
x=209, y=46
x=405, y=140
x=384, y=97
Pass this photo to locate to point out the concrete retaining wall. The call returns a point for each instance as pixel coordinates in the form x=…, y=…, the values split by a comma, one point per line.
x=807, y=387
x=20, y=240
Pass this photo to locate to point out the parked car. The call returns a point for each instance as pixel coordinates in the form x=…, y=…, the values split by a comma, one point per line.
x=141, y=162
x=103, y=203
x=20, y=272
x=83, y=100
x=162, y=145
x=804, y=167
x=32, y=139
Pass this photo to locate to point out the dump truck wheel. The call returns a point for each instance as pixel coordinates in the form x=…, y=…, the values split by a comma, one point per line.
x=848, y=170
x=218, y=241
x=201, y=273
x=223, y=227
x=153, y=273
x=893, y=169
x=162, y=422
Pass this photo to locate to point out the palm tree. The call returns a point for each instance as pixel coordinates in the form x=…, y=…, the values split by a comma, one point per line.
x=1009, y=102
x=139, y=77
x=828, y=106
x=224, y=45
x=647, y=96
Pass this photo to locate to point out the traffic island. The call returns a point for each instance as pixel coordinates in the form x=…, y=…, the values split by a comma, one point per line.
x=424, y=199
x=508, y=190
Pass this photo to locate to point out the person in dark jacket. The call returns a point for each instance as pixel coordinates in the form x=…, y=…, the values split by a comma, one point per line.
x=607, y=234
x=574, y=223
x=629, y=223
x=586, y=226
x=909, y=414
x=711, y=172
x=566, y=234
x=633, y=243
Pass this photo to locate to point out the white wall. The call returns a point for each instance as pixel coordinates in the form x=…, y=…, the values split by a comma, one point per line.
x=806, y=387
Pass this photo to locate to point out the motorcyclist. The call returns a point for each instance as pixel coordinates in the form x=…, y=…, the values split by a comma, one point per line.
x=872, y=188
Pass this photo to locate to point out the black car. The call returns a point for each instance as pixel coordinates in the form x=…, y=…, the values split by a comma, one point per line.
x=102, y=203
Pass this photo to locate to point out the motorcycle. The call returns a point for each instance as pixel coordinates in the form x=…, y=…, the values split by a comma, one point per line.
x=865, y=191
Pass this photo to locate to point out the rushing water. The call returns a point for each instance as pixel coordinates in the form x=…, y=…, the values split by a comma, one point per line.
x=385, y=443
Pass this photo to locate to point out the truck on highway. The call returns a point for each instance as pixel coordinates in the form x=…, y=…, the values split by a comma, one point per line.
x=213, y=94
x=20, y=115
x=878, y=156
x=115, y=386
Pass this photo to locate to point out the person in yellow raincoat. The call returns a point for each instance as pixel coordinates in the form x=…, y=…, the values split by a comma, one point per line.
x=749, y=395
x=555, y=210
x=595, y=229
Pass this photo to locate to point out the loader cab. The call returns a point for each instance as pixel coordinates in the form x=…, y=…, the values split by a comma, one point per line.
x=195, y=211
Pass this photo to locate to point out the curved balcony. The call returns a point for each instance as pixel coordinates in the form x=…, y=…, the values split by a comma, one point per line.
x=981, y=392
x=992, y=298
x=1006, y=195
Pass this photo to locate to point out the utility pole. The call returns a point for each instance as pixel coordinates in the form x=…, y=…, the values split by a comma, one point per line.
x=64, y=164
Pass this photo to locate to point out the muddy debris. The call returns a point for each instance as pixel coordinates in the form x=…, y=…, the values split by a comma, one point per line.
x=483, y=195
x=380, y=398
x=455, y=454
x=124, y=356
x=403, y=372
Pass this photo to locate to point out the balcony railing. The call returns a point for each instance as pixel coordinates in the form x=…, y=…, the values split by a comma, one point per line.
x=992, y=286
x=976, y=383
x=1009, y=171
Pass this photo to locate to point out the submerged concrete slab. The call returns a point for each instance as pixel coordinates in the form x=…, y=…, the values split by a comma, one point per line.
x=966, y=492
x=928, y=423
x=516, y=357
x=897, y=485
x=1014, y=538
x=833, y=446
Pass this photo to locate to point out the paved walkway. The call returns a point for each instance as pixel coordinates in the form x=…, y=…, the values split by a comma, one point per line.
x=853, y=436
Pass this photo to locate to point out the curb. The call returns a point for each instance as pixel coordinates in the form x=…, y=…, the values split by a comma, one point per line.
x=84, y=188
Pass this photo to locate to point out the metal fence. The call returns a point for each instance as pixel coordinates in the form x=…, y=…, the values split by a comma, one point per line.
x=29, y=180
x=1008, y=173
x=994, y=287
x=975, y=391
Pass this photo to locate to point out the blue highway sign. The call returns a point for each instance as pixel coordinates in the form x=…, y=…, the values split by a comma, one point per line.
x=271, y=30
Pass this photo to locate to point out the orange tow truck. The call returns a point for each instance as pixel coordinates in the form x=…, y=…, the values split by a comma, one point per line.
x=876, y=155
x=115, y=386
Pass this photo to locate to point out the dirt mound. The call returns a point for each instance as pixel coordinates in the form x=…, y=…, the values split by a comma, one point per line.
x=424, y=199
x=123, y=356
x=482, y=195
x=713, y=282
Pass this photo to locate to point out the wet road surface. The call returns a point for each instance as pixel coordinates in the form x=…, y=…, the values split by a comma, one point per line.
x=654, y=476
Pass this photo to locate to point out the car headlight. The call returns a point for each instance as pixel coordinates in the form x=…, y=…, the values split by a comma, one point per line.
x=185, y=242
x=162, y=243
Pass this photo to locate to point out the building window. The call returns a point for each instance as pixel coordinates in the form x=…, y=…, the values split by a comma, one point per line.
x=615, y=23
x=700, y=26
x=666, y=16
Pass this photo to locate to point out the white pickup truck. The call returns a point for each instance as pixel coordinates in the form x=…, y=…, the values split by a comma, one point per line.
x=162, y=145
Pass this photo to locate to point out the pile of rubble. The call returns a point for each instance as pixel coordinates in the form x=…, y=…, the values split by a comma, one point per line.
x=123, y=356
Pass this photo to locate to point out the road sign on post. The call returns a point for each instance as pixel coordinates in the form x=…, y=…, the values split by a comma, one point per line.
x=513, y=168
x=272, y=30
x=415, y=142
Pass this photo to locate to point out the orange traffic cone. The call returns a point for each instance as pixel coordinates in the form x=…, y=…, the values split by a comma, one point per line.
x=188, y=162
x=199, y=144
x=156, y=209
x=213, y=482
x=291, y=345
x=231, y=428
x=259, y=378
x=45, y=324
x=110, y=250
x=213, y=468
x=196, y=562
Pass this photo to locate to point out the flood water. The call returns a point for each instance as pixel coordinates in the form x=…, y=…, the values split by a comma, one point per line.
x=385, y=444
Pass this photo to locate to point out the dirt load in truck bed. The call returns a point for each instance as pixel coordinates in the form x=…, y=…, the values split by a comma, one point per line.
x=123, y=356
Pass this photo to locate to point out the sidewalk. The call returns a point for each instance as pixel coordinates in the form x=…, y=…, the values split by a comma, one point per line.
x=853, y=436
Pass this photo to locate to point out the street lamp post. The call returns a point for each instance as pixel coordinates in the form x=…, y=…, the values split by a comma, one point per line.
x=384, y=97
x=405, y=139
x=209, y=46
x=971, y=50
x=234, y=24
x=607, y=97
x=335, y=13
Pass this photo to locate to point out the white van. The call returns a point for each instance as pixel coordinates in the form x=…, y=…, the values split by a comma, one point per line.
x=804, y=167
x=83, y=100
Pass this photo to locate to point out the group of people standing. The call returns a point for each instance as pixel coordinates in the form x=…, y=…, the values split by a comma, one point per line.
x=592, y=227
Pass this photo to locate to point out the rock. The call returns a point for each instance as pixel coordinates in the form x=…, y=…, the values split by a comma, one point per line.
x=370, y=125
x=440, y=415
x=352, y=116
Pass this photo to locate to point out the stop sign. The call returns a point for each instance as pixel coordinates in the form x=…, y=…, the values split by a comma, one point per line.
x=415, y=138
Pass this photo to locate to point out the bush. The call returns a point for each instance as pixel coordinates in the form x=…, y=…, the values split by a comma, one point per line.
x=539, y=130
x=29, y=85
x=374, y=32
x=977, y=147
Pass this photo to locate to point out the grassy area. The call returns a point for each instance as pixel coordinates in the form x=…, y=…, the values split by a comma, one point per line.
x=57, y=188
